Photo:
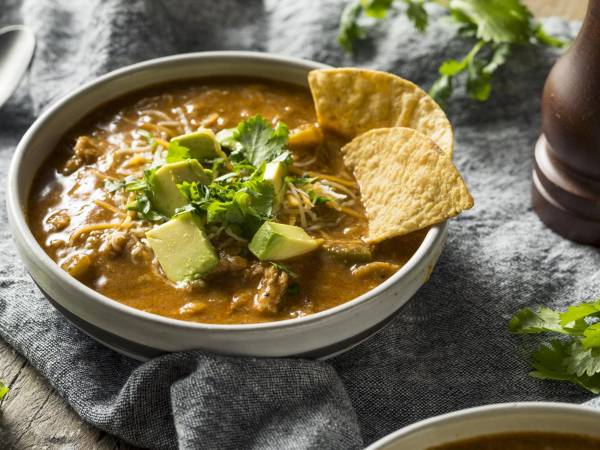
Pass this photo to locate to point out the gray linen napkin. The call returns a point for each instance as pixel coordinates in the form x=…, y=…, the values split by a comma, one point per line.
x=449, y=347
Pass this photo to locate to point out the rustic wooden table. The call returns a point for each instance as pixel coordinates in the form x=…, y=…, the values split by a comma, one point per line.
x=34, y=416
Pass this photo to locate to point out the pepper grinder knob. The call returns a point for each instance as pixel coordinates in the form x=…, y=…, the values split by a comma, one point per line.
x=566, y=172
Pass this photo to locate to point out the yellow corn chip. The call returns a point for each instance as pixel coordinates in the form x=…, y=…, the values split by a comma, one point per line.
x=352, y=101
x=407, y=183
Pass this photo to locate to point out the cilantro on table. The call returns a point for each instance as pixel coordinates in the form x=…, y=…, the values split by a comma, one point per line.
x=3, y=390
x=575, y=354
x=496, y=27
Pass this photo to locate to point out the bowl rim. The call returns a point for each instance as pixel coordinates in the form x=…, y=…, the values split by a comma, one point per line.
x=463, y=414
x=20, y=227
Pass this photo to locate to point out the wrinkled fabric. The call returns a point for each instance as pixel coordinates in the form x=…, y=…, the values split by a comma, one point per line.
x=449, y=347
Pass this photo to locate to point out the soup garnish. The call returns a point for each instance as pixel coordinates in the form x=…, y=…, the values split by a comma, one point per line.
x=224, y=201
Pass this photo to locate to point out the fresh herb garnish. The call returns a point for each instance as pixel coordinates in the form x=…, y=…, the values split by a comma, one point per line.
x=143, y=206
x=3, y=390
x=496, y=26
x=177, y=152
x=234, y=200
x=130, y=184
x=143, y=201
x=259, y=142
x=575, y=356
x=284, y=268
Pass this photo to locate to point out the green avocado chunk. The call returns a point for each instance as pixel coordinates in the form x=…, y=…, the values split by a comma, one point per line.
x=182, y=248
x=166, y=197
x=202, y=144
x=277, y=241
x=275, y=172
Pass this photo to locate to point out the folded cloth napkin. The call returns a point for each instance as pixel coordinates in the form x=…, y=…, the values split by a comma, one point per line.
x=448, y=349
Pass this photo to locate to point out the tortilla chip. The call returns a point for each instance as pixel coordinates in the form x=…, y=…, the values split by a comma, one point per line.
x=351, y=101
x=407, y=183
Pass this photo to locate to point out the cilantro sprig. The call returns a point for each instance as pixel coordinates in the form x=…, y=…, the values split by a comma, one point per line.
x=256, y=141
x=240, y=198
x=240, y=203
x=575, y=355
x=496, y=27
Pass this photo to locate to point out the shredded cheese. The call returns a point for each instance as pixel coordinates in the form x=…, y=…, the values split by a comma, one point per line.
x=136, y=161
x=311, y=173
x=110, y=207
x=96, y=226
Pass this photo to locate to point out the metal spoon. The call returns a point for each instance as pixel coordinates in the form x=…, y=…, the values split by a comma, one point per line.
x=16, y=49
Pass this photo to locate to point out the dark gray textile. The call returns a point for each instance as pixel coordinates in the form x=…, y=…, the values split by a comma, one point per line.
x=449, y=347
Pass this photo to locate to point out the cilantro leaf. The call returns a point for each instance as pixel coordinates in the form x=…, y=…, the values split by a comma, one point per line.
x=129, y=184
x=442, y=88
x=234, y=199
x=377, y=9
x=177, y=152
x=143, y=206
x=576, y=356
x=350, y=31
x=499, y=21
x=479, y=86
x=591, y=337
x=260, y=142
x=284, y=268
x=526, y=321
x=549, y=364
x=497, y=25
x=545, y=39
x=582, y=361
x=416, y=13
x=578, y=312
x=3, y=390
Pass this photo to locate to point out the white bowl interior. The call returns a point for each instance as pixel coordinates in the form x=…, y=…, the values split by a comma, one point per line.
x=486, y=420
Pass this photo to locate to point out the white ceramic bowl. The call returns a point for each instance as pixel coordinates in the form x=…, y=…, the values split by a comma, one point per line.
x=143, y=335
x=493, y=419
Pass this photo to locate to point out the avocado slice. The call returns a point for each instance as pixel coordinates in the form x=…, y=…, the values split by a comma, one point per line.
x=166, y=197
x=182, y=248
x=202, y=144
x=277, y=241
x=275, y=172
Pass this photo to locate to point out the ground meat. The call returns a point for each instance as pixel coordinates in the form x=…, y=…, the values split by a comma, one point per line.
x=58, y=221
x=378, y=269
x=230, y=263
x=85, y=151
x=192, y=308
x=270, y=290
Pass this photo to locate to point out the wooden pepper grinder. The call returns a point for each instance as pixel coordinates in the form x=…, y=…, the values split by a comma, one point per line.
x=566, y=175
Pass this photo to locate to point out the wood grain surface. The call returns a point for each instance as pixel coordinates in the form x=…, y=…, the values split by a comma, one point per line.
x=34, y=416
